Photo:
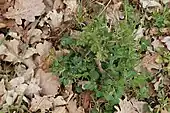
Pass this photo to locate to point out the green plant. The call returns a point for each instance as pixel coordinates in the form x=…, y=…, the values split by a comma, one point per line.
x=105, y=59
x=161, y=19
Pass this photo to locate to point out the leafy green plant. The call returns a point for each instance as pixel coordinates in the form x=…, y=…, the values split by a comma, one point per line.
x=161, y=19
x=115, y=51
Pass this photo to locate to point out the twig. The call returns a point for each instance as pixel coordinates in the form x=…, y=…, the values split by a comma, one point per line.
x=105, y=8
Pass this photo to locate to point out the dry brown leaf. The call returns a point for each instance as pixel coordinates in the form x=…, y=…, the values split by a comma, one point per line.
x=41, y=103
x=25, y=9
x=149, y=63
x=48, y=82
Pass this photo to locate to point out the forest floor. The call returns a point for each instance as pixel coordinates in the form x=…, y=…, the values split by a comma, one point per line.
x=84, y=56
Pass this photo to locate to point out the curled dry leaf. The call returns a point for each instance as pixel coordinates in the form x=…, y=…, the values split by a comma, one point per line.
x=25, y=9
x=48, y=82
x=41, y=103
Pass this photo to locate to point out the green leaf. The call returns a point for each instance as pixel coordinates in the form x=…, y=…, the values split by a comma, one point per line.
x=94, y=75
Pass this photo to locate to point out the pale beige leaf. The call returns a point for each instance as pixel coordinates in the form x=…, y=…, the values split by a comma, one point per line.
x=72, y=106
x=58, y=101
x=43, y=49
x=29, y=62
x=25, y=9
x=33, y=88
x=150, y=3
x=41, y=103
x=16, y=81
x=54, y=15
x=131, y=106
x=164, y=111
x=48, y=82
x=61, y=109
x=29, y=52
x=71, y=5
x=35, y=35
x=2, y=87
x=29, y=73
x=20, y=89
x=10, y=97
x=166, y=40
x=11, y=50
x=58, y=4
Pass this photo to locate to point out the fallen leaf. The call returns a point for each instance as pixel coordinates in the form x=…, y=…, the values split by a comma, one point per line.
x=33, y=88
x=10, y=97
x=16, y=81
x=48, y=82
x=25, y=9
x=58, y=4
x=41, y=103
x=166, y=40
x=156, y=43
x=61, y=109
x=71, y=5
x=149, y=62
x=139, y=33
x=131, y=106
x=2, y=87
x=53, y=16
x=43, y=49
x=164, y=111
x=58, y=101
x=113, y=13
x=35, y=35
x=150, y=3
x=72, y=106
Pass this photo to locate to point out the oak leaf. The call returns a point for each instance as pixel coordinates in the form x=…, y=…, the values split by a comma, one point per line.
x=25, y=9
